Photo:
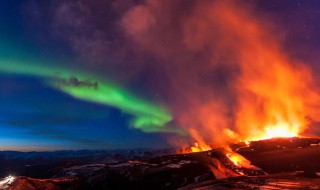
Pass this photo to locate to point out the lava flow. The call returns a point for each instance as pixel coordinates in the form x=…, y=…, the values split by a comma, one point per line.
x=239, y=160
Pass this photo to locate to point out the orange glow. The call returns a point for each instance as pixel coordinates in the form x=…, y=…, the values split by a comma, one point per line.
x=200, y=144
x=234, y=158
x=219, y=170
x=198, y=148
x=239, y=160
x=231, y=77
x=280, y=130
x=274, y=93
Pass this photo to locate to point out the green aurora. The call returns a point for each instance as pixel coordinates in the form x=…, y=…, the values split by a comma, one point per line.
x=147, y=116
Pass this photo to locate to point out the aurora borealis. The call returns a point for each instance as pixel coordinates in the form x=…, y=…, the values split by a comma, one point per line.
x=145, y=116
x=148, y=117
x=24, y=66
x=134, y=74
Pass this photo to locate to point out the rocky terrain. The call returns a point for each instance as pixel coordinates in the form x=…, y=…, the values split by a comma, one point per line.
x=46, y=164
x=284, y=163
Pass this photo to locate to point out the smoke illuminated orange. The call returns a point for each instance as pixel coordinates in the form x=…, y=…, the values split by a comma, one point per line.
x=274, y=93
x=231, y=78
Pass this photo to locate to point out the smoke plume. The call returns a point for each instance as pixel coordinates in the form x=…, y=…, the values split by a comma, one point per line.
x=230, y=77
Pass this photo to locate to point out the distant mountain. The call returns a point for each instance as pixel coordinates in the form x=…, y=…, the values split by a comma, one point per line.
x=47, y=164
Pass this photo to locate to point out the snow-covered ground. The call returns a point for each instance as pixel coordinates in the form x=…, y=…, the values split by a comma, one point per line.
x=5, y=182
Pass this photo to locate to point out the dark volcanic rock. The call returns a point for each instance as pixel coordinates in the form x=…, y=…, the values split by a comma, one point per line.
x=277, y=182
x=165, y=172
x=46, y=164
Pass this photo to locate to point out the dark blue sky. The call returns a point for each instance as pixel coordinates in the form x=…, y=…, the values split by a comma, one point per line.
x=36, y=116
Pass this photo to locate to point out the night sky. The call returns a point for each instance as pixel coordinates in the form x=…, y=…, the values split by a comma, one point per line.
x=122, y=73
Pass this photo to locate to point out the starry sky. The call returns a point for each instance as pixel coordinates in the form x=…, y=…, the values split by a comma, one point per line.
x=122, y=73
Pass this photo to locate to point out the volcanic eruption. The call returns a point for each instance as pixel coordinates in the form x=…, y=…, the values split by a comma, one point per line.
x=215, y=78
x=262, y=92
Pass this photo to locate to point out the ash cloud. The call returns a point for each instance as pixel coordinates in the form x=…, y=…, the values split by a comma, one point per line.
x=75, y=82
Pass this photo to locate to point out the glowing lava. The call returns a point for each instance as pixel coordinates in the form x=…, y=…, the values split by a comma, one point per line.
x=281, y=129
x=234, y=158
x=239, y=160
x=199, y=148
